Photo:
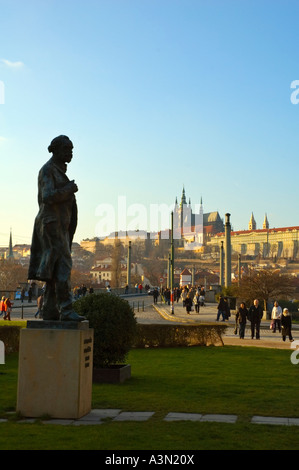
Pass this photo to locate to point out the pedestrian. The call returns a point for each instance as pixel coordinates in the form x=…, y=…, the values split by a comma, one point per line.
x=167, y=296
x=188, y=304
x=241, y=317
x=155, y=295
x=40, y=300
x=227, y=308
x=221, y=309
x=178, y=294
x=9, y=305
x=255, y=315
x=202, y=296
x=184, y=297
x=286, y=325
x=2, y=307
x=197, y=302
x=276, y=317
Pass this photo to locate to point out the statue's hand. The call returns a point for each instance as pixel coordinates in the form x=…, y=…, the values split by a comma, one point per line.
x=72, y=186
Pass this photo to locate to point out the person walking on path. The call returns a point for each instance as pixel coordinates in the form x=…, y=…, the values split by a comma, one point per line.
x=241, y=317
x=197, y=302
x=276, y=317
x=9, y=305
x=188, y=304
x=184, y=297
x=3, y=307
x=155, y=295
x=227, y=308
x=255, y=315
x=286, y=325
x=221, y=309
x=39, y=306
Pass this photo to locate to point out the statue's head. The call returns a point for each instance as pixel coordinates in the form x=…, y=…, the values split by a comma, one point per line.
x=62, y=148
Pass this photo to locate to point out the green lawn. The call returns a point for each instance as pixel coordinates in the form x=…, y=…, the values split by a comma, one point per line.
x=245, y=381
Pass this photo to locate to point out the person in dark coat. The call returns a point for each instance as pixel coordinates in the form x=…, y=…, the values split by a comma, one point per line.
x=155, y=295
x=221, y=309
x=188, y=304
x=241, y=317
x=286, y=325
x=53, y=233
x=255, y=314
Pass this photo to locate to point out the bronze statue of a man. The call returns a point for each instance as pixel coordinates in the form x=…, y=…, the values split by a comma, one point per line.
x=53, y=233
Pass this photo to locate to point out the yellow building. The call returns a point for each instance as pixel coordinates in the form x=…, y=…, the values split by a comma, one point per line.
x=266, y=242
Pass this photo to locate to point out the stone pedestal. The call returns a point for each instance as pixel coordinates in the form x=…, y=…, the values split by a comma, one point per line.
x=55, y=369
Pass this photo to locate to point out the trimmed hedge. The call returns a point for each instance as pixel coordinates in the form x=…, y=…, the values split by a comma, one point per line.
x=169, y=335
x=10, y=335
x=147, y=335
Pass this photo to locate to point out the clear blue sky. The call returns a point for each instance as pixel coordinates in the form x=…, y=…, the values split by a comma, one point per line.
x=154, y=94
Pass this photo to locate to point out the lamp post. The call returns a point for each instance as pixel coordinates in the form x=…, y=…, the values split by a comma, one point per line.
x=172, y=267
x=228, y=275
x=129, y=267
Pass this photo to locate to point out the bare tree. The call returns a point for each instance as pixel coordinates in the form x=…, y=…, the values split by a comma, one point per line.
x=11, y=274
x=265, y=285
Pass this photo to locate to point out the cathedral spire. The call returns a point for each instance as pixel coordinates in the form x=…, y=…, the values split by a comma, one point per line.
x=266, y=223
x=10, y=250
x=183, y=198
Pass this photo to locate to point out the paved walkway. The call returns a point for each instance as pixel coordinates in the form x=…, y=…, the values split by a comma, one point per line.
x=208, y=313
x=102, y=416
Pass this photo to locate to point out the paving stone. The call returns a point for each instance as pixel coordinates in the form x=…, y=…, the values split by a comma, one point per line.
x=28, y=420
x=220, y=418
x=294, y=421
x=269, y=420
x=82, y=422
x=3, y=420
x=183, y=417
x=102, y=414
x=64, y=422
x=134, y=416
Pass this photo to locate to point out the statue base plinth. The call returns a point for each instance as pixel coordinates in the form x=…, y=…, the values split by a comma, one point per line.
x=55, y=370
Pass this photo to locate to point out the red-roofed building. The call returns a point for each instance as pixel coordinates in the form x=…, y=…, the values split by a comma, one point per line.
x=266, y=242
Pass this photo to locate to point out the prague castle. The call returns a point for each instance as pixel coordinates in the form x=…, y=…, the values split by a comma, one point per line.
x=266, y=242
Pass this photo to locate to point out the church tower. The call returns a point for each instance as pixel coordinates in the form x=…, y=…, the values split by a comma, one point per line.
x=266, y=223
x=10, y=250
x=252, y=223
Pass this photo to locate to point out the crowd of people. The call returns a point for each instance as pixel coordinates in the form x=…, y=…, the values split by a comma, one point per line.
x=280, y=319
x=191, y=297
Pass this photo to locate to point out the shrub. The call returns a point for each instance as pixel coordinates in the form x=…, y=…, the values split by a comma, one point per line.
x=169, y=335
x=10, y=335
x=114, y=324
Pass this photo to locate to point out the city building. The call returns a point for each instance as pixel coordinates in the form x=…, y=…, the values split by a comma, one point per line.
x=267, y=242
